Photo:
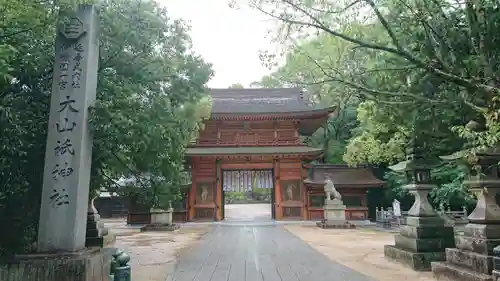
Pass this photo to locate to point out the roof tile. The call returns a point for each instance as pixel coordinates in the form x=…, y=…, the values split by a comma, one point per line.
x=343, y=175
x=262, y=100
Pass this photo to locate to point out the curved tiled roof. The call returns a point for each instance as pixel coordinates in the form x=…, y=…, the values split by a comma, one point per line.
x=343, y=176
x=259, y=101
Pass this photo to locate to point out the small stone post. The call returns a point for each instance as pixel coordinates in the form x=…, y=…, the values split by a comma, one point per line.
x=113, y=264
x=122, y=269
x=425, y=236
x=472, y=259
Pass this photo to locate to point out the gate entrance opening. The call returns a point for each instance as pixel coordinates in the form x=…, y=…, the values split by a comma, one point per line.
x=248, y=195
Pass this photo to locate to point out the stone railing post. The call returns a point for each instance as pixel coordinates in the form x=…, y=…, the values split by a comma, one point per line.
x=496, y=263
x=112, y=266
x=119, y=270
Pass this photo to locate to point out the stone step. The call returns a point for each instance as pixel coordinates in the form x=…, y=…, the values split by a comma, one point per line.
x=417, y=261
x=470, y=260
x=478, y=245
x=444, y=271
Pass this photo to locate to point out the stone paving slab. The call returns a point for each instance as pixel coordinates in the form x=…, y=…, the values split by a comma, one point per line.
x=258, y=253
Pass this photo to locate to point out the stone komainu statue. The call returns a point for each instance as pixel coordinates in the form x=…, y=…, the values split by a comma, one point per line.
x=331, y=192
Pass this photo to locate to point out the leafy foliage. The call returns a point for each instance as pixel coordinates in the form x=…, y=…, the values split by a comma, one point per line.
x=307, y=65
x=151, y=101
x=420, y=69
x=236, y=86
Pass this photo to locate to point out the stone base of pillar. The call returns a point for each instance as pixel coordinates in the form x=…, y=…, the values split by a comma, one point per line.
x=472, y=259
x=445, y=271
x=160, y=227
x=89, y=264
x=335, y=224
x=97, y=235
x=422, y=241
x=416, y=261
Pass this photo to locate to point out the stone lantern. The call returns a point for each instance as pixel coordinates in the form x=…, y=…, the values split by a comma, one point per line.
x=425, y=236
x=418, y=176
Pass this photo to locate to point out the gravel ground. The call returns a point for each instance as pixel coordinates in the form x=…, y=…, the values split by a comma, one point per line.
x=153, y=255
x=359, y=249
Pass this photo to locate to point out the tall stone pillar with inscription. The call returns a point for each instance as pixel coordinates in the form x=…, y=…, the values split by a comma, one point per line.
x=63, y=212
x=61, y=252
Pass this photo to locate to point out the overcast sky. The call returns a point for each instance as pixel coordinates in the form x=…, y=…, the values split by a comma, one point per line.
x=228, y=38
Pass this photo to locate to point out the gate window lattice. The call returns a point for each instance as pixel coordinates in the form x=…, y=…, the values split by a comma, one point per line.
x=246, y=180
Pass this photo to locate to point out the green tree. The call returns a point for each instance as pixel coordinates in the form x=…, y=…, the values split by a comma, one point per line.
x=451, y=43
x=151, y=101
x=307, y=65
x=236, y=86
x=437, y=57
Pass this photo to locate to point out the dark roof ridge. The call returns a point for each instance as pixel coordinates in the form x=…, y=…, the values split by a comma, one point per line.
x=255, y=89
x=339, y=166
x=260, y=100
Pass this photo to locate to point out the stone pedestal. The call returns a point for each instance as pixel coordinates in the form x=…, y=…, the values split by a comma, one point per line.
x=161, y=220
x=159, y=216
x=424, y=239
x=334, y=215
x=472, y=259
x=86, y=265
x=420, y=242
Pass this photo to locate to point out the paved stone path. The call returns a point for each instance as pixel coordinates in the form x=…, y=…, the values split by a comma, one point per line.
x=248, y=212
x=265, y=252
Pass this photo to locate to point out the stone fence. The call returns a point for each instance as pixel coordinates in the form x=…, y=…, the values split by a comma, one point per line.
x=387, y=218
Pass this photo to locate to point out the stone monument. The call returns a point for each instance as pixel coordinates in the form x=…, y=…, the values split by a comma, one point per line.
x=333, y=208
x=61, y=252
x=473, y=257
x=425, y=237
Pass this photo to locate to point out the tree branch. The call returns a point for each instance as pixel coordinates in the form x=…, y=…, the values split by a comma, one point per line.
x=316, y=23
x=361, y=87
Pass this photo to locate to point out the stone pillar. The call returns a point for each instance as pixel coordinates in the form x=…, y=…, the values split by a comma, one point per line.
x=472, y=259
x=425, y=237
x=63, y=212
